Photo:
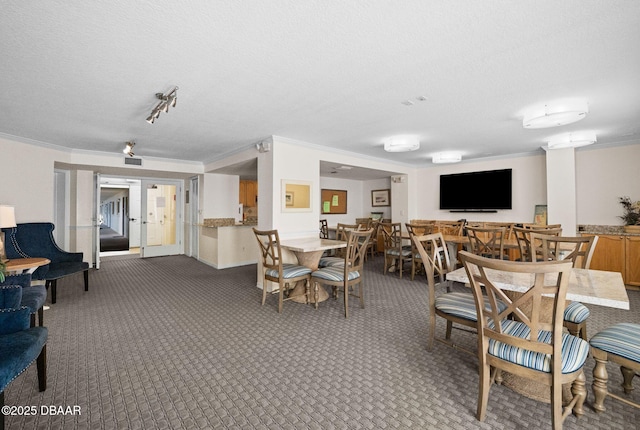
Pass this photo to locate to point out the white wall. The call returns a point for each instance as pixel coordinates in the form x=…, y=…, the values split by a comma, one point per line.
x=368, y=186
x=220, y=195
x=602, y=176
x=529, y=189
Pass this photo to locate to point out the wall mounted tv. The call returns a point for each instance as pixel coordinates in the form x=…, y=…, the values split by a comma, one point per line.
x=476, y=191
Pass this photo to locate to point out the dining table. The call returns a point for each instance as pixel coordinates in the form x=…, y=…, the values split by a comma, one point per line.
x=308, y=251
x=596, y=287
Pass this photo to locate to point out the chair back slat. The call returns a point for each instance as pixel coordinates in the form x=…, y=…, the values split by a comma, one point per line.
x=324, y=229
x=578, y=249
x=270, y=252
x=487, y=241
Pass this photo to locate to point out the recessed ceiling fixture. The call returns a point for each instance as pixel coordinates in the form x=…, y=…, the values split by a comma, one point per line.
x=446, y=157
x=166, y=100
x=128, y=149
x=573, y=140
x=555, y=114
x=401, y=143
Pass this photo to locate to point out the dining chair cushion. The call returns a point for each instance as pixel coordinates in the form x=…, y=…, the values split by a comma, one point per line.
x=334, y=273
x=34, y=297
x=405, y=252
x=461, y=305
x=331, y=261
x=574, y=349
x=621, y=339
x=576, y=312
x=289, y=270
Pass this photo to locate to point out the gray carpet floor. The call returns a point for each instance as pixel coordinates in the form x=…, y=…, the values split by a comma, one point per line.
x=171, y=343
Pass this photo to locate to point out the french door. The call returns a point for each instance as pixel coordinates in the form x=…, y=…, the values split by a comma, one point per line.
x=161, y=215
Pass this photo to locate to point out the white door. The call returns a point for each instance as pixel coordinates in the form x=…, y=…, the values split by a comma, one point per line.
x=194, y=211
x=161, y=232
x=96, y=220
x=135, y=195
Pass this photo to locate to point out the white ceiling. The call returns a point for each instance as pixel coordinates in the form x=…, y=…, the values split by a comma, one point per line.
x=84, y=74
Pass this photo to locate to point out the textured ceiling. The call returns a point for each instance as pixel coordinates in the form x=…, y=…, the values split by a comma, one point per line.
x=83, y=74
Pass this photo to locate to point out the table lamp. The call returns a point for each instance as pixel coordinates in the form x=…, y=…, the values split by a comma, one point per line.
x=7, y=219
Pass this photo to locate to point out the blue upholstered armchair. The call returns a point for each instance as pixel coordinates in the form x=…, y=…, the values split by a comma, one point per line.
x=20, y=344
x=35, y=239
x=33, y=296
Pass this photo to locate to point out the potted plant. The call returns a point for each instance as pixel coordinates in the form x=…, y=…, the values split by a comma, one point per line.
x=631, y=215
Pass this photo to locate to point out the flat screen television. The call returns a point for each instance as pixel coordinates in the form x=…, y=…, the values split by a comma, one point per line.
x=476, y=191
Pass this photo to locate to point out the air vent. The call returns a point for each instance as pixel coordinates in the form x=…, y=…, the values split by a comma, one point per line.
x=133, y=161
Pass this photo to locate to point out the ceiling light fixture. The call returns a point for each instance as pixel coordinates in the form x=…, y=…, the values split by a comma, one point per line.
x=401, y=144
x=128, y=149
x=555, y=114
x=446, y=157
x=572, y=140
x=166, y=100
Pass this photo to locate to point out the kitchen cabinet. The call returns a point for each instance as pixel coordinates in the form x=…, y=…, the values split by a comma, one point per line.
x=248, y=193
x=618, y=253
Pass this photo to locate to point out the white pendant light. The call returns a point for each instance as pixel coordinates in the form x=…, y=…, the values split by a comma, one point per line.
x=446, y=157
x=555, y=114
x=572, y=140
x=401, y=144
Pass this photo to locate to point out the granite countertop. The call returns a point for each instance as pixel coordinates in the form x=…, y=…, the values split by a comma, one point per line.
x=604, y=229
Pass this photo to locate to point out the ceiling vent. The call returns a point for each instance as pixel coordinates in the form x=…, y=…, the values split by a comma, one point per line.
x=133, y=161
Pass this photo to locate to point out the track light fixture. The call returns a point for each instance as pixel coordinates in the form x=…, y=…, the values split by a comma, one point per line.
x=128, y=149
x=166, y=100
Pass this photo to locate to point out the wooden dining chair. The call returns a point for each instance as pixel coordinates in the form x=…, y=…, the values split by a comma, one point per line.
x=487, y=241
x=337, y=259
x=455, y=307
x=395, y=254
x=348, y=275
x=526, y=345
x=522, y=235
x=579, y=250
x=417, y=230
x=618, y=344
x=324, y=229
x=286, y=275
x=453, y=228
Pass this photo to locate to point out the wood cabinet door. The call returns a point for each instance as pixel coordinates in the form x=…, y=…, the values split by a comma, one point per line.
x=609, y=254
x=243, y=193
x=632, y=260
x=252, y=193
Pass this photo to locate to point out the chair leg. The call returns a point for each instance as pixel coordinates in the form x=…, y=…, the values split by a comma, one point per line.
x=264, y=291
x=361, y=295
x=86, y=280
x=41, y=316
x=627, y=376
x=600, y=376
x=483, y=392
x=579, y=393
x=346, y=301
x=41, y=363
x=54, y=284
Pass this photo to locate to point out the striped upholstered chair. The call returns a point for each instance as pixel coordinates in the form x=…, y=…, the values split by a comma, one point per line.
x=578, y=250
x=455, y=307
x=526, y=346
x=286, y=275
x=348, y=275
x=618, y=344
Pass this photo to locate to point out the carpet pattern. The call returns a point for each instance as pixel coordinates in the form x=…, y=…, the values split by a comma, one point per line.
x=171, y=343
x=111, y=240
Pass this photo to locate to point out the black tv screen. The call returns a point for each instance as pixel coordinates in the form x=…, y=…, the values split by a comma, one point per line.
x=487, y=190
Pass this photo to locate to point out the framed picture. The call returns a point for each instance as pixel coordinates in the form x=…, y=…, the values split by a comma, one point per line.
x=288, y=198
x=540, y=215
x=381, y=197
x=296, y=196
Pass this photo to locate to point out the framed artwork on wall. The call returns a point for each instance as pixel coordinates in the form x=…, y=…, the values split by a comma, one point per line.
x=381, y=197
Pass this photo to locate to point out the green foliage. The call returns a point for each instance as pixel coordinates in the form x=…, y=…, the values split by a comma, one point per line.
x=631, y=211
